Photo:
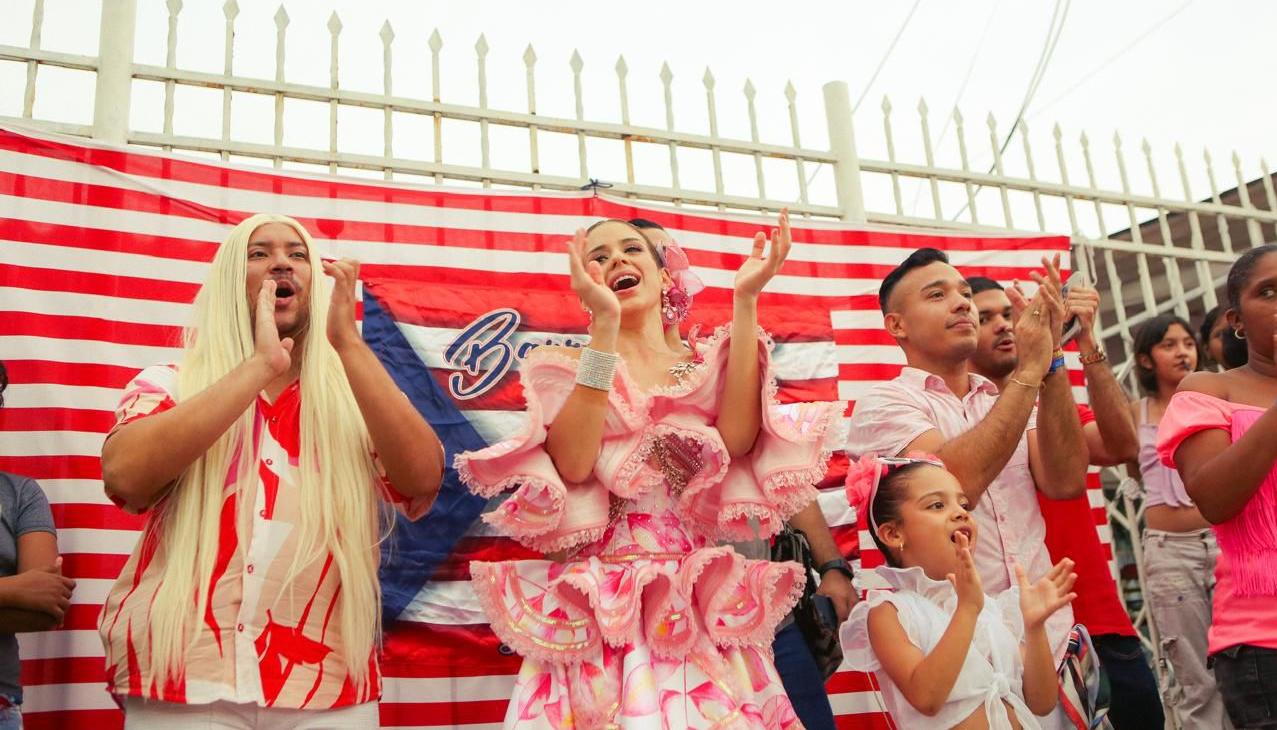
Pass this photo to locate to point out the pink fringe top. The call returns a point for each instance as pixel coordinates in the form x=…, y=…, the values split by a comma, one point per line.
x=1244, y=609
x=775, y=480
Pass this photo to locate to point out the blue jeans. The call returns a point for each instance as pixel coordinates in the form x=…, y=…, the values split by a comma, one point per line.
x=803, y=681
x=1136, y=702
x=11, y=718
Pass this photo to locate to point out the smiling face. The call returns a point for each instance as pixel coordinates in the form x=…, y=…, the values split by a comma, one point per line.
x=995, y=356
x=934, y=509
x=276, y=252
x=932, y=313
x=629, y=267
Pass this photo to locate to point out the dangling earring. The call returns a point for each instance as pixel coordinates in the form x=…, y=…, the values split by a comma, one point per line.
x=674, y=306
x=1239, y=334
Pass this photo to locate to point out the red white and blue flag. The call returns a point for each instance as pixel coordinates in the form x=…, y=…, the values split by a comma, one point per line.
x=103, y=248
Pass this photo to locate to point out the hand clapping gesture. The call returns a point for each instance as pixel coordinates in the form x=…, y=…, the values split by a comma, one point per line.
x=759, y=269
x=588, y=282
x=1043, y=598
x=342, y=331
x=966, y=581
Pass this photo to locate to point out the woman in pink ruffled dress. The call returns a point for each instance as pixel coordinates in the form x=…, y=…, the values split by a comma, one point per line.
x=636, y=461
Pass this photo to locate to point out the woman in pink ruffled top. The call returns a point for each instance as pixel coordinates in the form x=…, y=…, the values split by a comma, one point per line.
x=1220, y=431
x=638, y=458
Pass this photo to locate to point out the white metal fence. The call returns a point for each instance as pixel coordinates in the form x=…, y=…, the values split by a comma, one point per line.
x=1148, y=250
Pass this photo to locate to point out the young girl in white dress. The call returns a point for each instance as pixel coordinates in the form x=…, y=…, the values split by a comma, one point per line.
x=946, y=655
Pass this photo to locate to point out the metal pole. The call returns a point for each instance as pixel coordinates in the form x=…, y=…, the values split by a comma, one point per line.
x=115, y=71
x=842, y=144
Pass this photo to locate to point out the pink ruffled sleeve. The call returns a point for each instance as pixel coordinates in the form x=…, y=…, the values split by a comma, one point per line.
x=1190, y=412
x=540, y=513
x=778, y=477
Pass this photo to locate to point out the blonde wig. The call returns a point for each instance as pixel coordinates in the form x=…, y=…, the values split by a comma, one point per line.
x=340, y=513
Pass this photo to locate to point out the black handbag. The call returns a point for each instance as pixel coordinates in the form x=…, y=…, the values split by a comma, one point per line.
x=821, y=638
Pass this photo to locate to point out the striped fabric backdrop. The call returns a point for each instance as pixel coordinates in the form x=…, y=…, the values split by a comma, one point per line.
x=102, y=249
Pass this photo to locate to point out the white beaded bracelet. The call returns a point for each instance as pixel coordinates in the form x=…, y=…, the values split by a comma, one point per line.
x=596, y=369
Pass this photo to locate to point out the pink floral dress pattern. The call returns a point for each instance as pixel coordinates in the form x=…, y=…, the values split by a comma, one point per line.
x=648, y=624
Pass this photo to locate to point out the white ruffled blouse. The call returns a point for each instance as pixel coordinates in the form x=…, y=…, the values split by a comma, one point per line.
x=992, y=672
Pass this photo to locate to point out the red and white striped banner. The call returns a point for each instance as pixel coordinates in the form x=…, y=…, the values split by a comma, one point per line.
x=103, y=248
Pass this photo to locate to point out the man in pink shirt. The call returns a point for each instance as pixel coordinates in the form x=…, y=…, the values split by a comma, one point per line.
x=996, y=443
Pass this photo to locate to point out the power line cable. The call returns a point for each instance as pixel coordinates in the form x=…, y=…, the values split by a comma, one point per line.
x=886, y=55
x=874, y=77
x=1108, y=61
x=1054, y=31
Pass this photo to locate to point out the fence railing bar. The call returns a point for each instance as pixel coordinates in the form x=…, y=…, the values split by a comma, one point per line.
x=966, y=167
x=534, y=155
x=995, y=144
x=1169, y=263
x=623, y=90
x=667, y=78
x=387, y=35
x=481, y=54
x=1243, y=192
x=891, y=156
x=791, y=99
x=75, y=61
x=170, y=62
x=578, y=94
x=435, y=43
x=1196, y=242
x=1221, y=221
x=334, y=30
x=1058, y=135
x=712, y=110
x=1033, y=174
x=230, y=10
x=929, y=156
x=281, y=32
x=37, y=28
x=750, y=94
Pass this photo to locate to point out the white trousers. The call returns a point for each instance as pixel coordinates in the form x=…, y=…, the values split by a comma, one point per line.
x=142, y=714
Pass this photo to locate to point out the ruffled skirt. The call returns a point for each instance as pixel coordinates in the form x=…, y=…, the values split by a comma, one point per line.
x=644, y=640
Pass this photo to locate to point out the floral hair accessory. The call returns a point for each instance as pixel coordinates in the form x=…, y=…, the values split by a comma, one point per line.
x=864, y=476
x=677, y=300
x=680, y=269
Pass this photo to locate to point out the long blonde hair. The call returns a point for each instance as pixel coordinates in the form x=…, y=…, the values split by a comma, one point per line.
x=340, y=512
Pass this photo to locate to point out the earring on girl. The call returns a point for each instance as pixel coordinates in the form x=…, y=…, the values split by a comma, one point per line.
x=1239, y=334
x=675, y=305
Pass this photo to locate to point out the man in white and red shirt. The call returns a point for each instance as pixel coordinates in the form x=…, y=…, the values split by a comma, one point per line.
x=1002, y=450
x=264, y=649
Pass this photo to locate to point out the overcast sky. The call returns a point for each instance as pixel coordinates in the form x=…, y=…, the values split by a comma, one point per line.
x=1198, y=73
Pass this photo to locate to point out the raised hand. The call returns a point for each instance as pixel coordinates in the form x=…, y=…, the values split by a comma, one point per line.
x=44, y=590
x=1083, y=302
x=1033, y=332
x=1051, y=593
x=1050, y=288
x=588, y=282
x=966, y=581
x=342, y=331
x=276, y=353
x=759, y=269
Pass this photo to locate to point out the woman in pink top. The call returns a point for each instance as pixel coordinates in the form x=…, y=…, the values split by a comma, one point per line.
x=1179, y=547
x=1220, y=431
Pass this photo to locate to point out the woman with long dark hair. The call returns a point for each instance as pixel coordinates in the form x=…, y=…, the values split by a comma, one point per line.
x=1220, y=431
x=1179, y=547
